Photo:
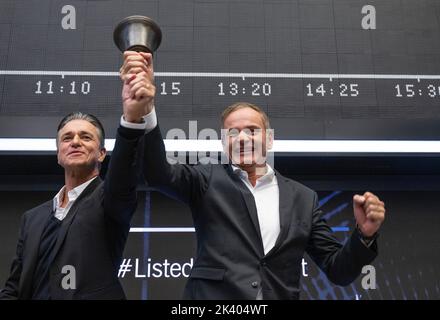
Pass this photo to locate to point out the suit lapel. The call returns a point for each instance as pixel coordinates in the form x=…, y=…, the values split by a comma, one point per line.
x=250, y=204
x=286, y=202
x=71, y=215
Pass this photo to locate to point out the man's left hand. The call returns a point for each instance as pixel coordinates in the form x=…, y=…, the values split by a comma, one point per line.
x=369, y=212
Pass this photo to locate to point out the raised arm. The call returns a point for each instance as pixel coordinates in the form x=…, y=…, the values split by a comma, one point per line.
x=184, y=182
x=125, y=164
x=120, y=193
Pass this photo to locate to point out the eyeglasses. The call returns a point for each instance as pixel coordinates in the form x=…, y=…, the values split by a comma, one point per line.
x=234, y=133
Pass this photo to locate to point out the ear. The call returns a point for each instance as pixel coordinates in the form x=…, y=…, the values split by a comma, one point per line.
x=102, y=154
x=269, y=138
x=58, y=151
x=223, y=137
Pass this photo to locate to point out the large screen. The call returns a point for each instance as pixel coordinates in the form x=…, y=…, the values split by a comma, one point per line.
x=161, y=250
x=323, y=70
x=161, y=246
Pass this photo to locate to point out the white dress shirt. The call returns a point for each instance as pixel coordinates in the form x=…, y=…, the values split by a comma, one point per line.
x=150, y=122
x=266, y=195
x=61, y=213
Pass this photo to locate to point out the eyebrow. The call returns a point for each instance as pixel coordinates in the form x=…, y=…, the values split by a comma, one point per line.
x=248, y=127
x=81, y=133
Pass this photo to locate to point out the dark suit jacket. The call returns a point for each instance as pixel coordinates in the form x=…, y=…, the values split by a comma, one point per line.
x=92, y=236
x=230, y=262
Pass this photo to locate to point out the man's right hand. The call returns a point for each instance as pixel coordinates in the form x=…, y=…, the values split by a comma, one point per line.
x=138, y=90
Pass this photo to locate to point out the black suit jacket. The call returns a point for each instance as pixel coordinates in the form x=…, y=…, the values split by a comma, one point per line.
x=230, y=261
x=92, y=235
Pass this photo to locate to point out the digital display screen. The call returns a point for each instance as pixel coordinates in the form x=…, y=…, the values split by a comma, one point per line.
x=321, y=69
x=159, y=254
x=161, y=247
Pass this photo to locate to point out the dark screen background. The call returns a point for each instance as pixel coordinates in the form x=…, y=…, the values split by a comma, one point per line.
x=247, y=46
x=406, y=268
x=308, y=63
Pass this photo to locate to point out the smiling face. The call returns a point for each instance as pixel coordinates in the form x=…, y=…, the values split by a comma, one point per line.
x=79, y=147
x=245, y=139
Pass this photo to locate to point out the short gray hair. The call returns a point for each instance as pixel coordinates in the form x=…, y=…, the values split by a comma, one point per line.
x=241, y=105
x=87, y=117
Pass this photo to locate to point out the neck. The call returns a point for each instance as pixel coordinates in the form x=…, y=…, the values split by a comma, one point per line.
x=254, y=172
x=74, y=178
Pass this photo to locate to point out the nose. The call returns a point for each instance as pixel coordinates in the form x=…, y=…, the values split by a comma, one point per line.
x=244, y=135
x=245, y=141
x=76, y=140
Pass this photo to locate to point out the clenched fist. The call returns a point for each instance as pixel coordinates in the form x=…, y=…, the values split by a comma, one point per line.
x=369, y=212
x=138, y=90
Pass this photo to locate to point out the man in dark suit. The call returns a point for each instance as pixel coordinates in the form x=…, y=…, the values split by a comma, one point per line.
x=252, y=224
x=71, y=246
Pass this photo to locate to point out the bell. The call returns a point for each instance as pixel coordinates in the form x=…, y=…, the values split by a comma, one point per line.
x=137, y=33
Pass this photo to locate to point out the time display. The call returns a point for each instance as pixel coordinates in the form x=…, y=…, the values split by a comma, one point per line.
x=317, y=73
x=253, y=89
x=72, y=88
x=413, y=90
x=342, y=90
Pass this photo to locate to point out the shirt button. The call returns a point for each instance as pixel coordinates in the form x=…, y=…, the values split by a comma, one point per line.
x=254, y=284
